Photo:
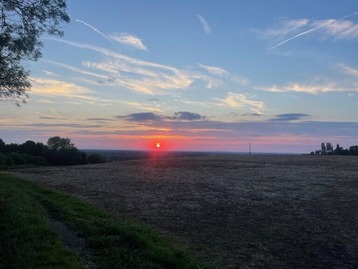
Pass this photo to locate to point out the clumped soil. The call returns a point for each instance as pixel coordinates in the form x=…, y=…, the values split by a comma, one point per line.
x=237, y=211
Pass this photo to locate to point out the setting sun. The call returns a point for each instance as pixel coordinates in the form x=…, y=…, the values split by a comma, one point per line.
x=157, y=145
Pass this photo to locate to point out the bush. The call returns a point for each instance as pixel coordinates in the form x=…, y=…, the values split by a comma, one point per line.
x=9, y=161
x=28, y=158
x=96, y=158
x=71, y=156
x=39, y=160
x=2, y=162
x=17, y=158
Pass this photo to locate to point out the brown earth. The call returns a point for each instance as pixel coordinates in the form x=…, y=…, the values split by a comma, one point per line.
x=238, y=211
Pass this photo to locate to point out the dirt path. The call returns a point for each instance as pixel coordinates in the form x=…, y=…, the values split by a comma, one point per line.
x=240, y=211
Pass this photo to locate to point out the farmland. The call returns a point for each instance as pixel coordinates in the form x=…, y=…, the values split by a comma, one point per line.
x=236, y=211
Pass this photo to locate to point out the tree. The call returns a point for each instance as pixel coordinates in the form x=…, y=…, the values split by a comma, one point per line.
x=323, y=148
x=57, y=143
x=2, y=145
x=353, y=150
x=29, y=147
x=338, y=149
x=22, y=23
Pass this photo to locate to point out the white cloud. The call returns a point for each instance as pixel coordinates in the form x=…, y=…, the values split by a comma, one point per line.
x=286, y=27
x=289, y=30
x=78, y=70
x=140, y=76
x=57, y=87
x=239, y=100
x=220, y=77
x=217, y=71
x=204, y=24
x=349, y=70
x=130, y=40
x=123, y=38
x=310, y=89
x=339, y=29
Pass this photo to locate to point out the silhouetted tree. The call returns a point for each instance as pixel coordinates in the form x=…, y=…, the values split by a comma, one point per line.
x=329, y=147
x=338, y=150
x=353, y=150
x=22, y=23
x=29, y=147
x=2, y=145
x=323, y=148
x=56, y=143
x=11, y=147
x=61, y=151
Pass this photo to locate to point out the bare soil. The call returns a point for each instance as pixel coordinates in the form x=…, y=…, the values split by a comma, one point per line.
x=237, y=211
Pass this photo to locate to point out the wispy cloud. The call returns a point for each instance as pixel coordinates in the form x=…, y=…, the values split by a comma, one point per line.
x=130, y=40
x=153, y=77
x=349, y=70
x=218, y=76
x=57, y=87
x=239, y=100
x=204, y=24
x=217, y=71
x=337, y=28
x=286, y=27
x=310, y=88
x=78, y=70
x=123, y=38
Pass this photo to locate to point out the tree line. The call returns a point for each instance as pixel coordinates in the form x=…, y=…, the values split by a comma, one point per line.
x=327, y=149
x=57, y=151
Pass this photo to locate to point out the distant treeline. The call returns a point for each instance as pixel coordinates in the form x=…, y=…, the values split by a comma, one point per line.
x=327, y=149
x=57, y=151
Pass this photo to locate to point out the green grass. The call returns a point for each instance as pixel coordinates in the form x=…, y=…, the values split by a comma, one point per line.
x=28, y=241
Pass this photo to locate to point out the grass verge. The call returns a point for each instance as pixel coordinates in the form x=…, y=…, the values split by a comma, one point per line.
x=28, y=241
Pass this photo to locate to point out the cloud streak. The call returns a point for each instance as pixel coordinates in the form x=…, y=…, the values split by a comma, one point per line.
x=130, y=40
x=204, y=24
x=333, y=27
x=123, y=38
x=239, y=100
x=310, y=88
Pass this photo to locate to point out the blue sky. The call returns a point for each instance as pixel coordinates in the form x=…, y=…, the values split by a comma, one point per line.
x=196, y=75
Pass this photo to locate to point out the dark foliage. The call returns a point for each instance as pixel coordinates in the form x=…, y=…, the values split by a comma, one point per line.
x=96, y=158
x=17, y=158
x=327, y=149
x=22, y=23
x=58, y=151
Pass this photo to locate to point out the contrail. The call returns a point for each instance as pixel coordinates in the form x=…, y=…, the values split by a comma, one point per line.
x=311, y=30
x=58, y=115
x=204, y=24
x=94, y=29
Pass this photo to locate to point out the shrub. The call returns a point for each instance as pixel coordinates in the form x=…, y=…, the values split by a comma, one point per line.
x=96, y=158
x=2, y=161
x=9, y=161
x=28, y=158
x=17, y=158
x=39, y=160
x=71, y=156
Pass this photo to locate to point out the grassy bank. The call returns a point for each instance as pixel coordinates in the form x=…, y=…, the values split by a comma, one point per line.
x=28, y=240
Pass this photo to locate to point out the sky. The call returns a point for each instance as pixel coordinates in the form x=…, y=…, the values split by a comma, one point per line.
x=196, y=76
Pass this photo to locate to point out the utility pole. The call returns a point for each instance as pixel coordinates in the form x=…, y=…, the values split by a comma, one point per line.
x=249, y=148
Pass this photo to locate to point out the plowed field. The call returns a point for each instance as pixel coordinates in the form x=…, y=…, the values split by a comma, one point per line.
x=238, y=211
